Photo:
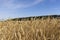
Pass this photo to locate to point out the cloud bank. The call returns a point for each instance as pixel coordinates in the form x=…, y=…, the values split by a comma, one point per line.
x=18, y=3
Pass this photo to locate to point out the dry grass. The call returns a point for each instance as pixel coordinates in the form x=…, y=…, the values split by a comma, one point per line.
x=43, y=29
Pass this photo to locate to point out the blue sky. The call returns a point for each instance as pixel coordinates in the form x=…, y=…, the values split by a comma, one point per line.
x=26, y=8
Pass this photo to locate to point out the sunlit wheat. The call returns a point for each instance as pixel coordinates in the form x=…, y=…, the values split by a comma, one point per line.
x=40, y=29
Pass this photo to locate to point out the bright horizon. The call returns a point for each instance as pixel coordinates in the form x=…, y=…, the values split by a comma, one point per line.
x=26, y=8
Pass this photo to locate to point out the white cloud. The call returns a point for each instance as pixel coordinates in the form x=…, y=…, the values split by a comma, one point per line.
x=11, y=4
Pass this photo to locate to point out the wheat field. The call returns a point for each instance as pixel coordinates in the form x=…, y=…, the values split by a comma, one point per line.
x=40, y=29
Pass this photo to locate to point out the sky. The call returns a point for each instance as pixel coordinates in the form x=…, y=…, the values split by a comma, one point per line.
x=27, y=8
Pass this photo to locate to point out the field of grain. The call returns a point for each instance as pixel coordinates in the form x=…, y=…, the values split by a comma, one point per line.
x=40, y=29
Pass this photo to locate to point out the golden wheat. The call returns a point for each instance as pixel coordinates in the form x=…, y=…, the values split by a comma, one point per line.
x=43, y=29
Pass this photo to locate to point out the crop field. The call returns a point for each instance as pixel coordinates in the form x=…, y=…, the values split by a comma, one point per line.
x=40, y=29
